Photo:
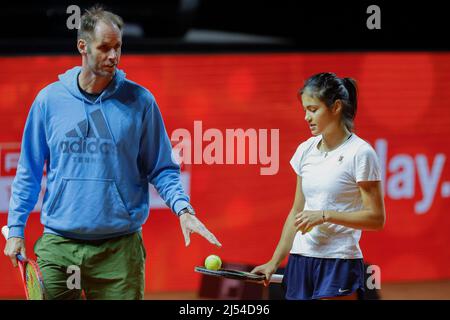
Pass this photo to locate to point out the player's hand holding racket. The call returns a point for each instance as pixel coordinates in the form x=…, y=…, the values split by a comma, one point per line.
x=267, y=269
x=191, y=224
x=29, y=270
x=13, y=247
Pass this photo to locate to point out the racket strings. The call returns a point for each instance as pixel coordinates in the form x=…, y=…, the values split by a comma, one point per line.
x=33, y=283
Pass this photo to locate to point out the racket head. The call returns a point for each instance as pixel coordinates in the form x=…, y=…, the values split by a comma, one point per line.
x=231, y=274
x=33, y=283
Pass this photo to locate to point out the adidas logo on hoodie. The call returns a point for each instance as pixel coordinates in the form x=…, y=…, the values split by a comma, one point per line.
x=98, y=139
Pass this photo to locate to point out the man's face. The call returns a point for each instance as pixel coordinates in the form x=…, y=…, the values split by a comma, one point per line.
x=103, y=51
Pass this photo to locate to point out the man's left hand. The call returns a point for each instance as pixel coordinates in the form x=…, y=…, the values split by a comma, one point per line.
x=190, y=224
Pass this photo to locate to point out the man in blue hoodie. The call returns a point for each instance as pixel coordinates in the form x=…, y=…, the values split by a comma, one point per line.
x=102, y=139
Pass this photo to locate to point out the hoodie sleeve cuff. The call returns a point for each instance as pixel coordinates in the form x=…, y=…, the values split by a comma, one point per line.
x=180, y=205
x=17, y=232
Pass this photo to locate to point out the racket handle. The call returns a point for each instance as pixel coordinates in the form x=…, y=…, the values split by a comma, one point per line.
x=20, y=258
x=276, y=278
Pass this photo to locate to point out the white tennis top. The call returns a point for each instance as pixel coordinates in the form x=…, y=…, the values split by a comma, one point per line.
x=329, y=182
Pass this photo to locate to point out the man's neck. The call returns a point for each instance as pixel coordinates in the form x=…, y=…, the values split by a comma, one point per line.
x=92, y=83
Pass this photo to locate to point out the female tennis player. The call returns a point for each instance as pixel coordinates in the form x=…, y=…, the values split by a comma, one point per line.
x=338, y=195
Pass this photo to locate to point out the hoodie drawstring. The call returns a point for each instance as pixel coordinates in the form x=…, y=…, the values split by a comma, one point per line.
x=86, y=131
x=106, y=121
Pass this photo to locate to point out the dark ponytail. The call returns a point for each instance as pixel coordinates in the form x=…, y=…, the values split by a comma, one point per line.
x=349, y=112
x=328, y=87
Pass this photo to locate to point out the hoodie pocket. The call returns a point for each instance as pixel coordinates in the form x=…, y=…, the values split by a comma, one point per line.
x=88, y=206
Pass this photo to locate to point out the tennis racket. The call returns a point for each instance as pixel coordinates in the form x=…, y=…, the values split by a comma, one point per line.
x=239, y=275
x=30, y=273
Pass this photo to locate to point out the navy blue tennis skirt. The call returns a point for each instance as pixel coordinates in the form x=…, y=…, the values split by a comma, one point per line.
x=308, y=278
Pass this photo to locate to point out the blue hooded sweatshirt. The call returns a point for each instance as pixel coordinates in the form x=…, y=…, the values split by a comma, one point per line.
x=100, y=157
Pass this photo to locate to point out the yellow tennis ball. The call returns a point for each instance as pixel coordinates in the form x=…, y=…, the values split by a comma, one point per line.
x=213, y=262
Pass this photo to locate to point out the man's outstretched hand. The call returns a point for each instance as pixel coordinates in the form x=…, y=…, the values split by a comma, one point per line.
x=191, y=224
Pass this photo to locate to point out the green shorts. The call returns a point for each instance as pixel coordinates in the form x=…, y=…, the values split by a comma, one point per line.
x=103, y=269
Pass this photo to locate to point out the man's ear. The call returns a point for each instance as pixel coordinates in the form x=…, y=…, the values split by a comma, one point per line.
x=82, y=46
x=337, y=106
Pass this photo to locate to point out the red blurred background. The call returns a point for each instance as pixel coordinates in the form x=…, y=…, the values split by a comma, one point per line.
x=403, y=112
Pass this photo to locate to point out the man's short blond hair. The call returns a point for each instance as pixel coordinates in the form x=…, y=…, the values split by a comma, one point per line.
x=90, y=19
